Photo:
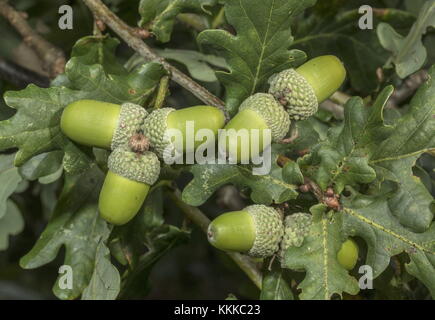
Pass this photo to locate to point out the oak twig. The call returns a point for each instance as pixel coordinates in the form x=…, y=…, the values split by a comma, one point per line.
x=53, y=59
x=407, y=89
x=20, y=76
x=130, y=36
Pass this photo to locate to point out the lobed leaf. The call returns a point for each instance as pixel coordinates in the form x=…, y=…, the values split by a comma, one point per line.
x=75, y=224
x=318, y=257
x=11, y=223
x=260, y=47
x=371, y=218
x=159, y=15
x=408, y=53
x=265, y=188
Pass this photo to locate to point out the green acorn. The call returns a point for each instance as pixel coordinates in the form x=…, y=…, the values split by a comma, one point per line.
x=127, y=184
x=158, y=123
x=256, y=230
x=260, y=112
x=101, y=124
x=301, y=90
x=296, y=228
x=347, y=256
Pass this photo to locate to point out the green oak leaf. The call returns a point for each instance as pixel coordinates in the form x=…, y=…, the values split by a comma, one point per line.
x=343, y=158
x=408, y=53
x=91, y=69
x=9, y=180
x=366, y=150
x=147, y=230
x=292, y=173
x=371, y=218
x=92, y=50
x=275, y=287
x=260, y=47
x=35, y=129
x=105, y=282
x=42, y=166
x=75, y=224
x=198, y=64
x=265, y=188
x=159, y=15
x=318, y=257
x=11, y=223
x=413, y=134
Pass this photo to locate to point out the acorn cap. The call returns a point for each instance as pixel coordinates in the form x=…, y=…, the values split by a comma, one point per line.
x=144, y=168
x=154, y=129
x=131, y=119
x=296, y=228
x=295, y=93
x=269, y=230
x=271, y=111
x=256, y=230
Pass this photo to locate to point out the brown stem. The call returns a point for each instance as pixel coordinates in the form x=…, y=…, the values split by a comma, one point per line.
x=129, y=35
x=329, y=198
x=20, y=76
x=52, y=57
x=407, y=89
x=200, y=219
x=336, y=109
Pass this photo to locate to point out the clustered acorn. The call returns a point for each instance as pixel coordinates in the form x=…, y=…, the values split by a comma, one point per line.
x=294, y=94
x=129, y=131
x=261, y=231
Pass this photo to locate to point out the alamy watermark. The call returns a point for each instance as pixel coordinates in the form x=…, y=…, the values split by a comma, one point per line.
x=65, y=277
x=232, y=146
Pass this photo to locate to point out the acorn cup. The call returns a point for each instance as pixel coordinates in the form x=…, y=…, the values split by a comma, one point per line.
x=256, y=230
x=297, y=227
x=259, y=112
x=101, y=124
x=301, y=90
x=127, y=184
x=157, y=125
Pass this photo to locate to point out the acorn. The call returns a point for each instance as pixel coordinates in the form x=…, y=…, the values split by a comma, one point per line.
x=258, y=112
x=157, y=124
x=101, y=124
x=256, y=230
x=301, y=90
x=127, y=184
x=296, y=228
x=347, y=256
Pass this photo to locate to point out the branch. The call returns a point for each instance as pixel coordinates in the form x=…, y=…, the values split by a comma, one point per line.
x=339, y=97
x=336, y=109
x=407, y=89
x=52, y=57
x=131, y=37
x=20, y=76
x=196, y=216
x=329, y=198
